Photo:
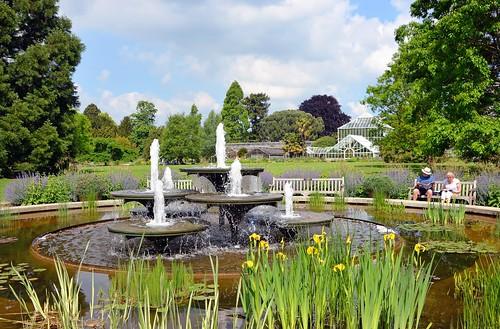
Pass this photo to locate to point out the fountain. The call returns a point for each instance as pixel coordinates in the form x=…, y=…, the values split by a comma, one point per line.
x=154, y=199
x=219, y=175
x=146, y=196
x=289, y=202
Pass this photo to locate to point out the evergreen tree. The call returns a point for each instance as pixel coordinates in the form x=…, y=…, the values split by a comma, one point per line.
x=193, y=143
x=125, y=127
x=208, y=134
x=105, y=126
x=234, y=114
x=38, y=56
x=92, y=113
x=142, y=123
x=257, y=106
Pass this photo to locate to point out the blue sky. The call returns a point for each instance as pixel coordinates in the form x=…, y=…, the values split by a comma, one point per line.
x=179, y=52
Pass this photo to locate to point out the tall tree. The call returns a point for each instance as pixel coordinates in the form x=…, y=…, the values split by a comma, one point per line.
x=105, y=126
x=38, y=56
x=327, y=108
x=193, y=143
x=234, y=115
x=142, y=123
x=275, y=126
x=441, y=90
x=257, y=106
x=208, y=134
x=125, y=127
x=92, y=113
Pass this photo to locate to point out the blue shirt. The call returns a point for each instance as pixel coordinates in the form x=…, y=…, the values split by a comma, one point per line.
x=425, y=181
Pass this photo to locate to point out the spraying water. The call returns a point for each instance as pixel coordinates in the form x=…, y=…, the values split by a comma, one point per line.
x=289, y=202
x=154, y=151
x=159, y=207
x=220, y=146
x=168, y=182
x=235, y=178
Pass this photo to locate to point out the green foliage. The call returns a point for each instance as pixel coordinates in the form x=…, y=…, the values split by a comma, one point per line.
x=324, y=286
x=445, y=214
x=441, y=91
x=110, y=149
x=493, y=196
x=377, y=184
x=257, y=106
x=293, y=144
x=478, y=291
x=275, y=126
x=208, y=136
x=38, y=56
x=142, y=123
x=234, y=115
x=125, y=127
x=56, y=190
x=181, y=139
x=325, y=141
x=317, y=202
x=154, y=133
x=92, y=184
x=339, y=203
x=242, y=153
x=82, y=136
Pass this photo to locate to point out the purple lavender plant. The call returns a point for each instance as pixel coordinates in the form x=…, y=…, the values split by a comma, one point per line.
x=306, y=174
x=123, y=181
x=17, y=190
x=267, y=179
x=484, y=181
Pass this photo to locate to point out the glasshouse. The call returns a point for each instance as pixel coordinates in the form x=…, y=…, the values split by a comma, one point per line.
x=355, y=140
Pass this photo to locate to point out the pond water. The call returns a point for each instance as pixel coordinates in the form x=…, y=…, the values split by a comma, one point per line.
x=107, y=250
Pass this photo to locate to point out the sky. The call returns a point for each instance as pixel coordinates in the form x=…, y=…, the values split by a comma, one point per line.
x=178, y=52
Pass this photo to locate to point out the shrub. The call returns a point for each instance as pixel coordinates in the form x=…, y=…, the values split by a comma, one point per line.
x=377, y=184
x=17, y=190
x=91, y=183
x=55, y=190
x=493, y=196
x=325, y=141
x=122, y=181
x=242, y=153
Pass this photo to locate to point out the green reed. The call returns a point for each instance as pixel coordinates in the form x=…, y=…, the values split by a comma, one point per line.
x=90, y=203
x=381, y=204
x=63, y=211
x=7, y=214
x=479, y=291
x=437, y=213
x=317, y=202
x=496, y=233
x=323, y=285
x=339, y=203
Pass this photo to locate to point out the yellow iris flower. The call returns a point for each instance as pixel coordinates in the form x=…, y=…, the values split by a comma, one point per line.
x=390, y=236
x=247, y=264
x=264, y=245
x=254, y=237
x=281, y=256
x=339, y=267
x=419, y=248
x=312, y=250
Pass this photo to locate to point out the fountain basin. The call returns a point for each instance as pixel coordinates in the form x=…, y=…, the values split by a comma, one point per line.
x=217, y=199
x=218, y=176
x=146, y=197
x=135, y=228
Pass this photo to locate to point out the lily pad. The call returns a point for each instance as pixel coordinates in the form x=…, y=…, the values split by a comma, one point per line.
x=459, y=247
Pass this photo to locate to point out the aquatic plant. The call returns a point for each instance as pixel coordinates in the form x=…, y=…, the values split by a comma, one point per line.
x=479, y=291
x=323, y=285
x=317, y=202
x=381, y=204
x=459, y=247
x=90, y=202
x=437, y=213
x=339, y=203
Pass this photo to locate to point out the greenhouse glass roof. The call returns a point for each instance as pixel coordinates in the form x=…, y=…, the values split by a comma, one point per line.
x=363, y=122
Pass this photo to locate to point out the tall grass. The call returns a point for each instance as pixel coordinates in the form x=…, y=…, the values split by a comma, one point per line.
x=339, y=203
x=437, y=213
x=480, y=292
x=497, y=227
x=317, y=202
x=380, y=204
x=325, y=286
x=90, y=203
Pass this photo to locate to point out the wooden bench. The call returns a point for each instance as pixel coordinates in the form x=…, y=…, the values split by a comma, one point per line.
x=180, y=184
x=467, y=193
x=305, y=187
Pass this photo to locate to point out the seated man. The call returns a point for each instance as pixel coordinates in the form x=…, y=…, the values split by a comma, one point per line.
x=451, y=187
x=424, y=185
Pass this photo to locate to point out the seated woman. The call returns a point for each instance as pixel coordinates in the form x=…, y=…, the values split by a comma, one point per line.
x=451, y=187
x=424, y=185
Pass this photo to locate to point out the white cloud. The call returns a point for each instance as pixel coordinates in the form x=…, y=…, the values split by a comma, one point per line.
x=290, y=49
x=359, y=110
x=124, y=104
x=104, y=75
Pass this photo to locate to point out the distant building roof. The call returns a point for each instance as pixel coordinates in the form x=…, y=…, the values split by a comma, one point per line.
x=364, y=122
